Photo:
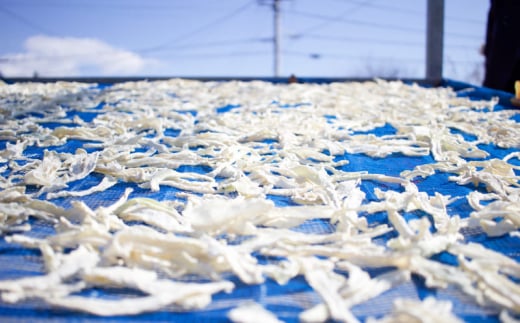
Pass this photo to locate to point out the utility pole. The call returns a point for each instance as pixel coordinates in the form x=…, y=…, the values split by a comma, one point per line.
x=276, y=37
x=434, y=40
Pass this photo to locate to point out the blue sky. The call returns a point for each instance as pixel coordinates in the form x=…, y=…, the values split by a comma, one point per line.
x=327, y=38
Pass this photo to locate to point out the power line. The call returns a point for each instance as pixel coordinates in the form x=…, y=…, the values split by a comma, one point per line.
x=361, y=40
x=25, y=21
x=344, y=56
x=467, y=20
x=7, y=59
x=104, y=5
x=402, y=10
x=52, y=58
x=222, y=55
x=398, y=42
x=341, y=16
x=200, y=29
x=373, y=24
x=386, y=8
x=216, y=44
x=353, y=21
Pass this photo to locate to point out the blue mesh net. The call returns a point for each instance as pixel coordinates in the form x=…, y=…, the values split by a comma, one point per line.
x=286, y=301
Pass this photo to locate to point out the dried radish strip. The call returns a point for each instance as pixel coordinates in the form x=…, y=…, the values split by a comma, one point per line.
x=245, y=312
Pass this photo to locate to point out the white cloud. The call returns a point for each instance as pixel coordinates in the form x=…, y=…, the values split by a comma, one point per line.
x=69, y=56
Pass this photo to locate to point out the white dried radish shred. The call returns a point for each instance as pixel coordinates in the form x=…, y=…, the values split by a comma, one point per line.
x=248, y=312
x=429, y=310
x=273, y=140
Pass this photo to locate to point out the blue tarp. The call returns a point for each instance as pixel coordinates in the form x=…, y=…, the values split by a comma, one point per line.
x=285, y=301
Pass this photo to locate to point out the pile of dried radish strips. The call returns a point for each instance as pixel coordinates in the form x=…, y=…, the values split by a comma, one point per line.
x=181, y=192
